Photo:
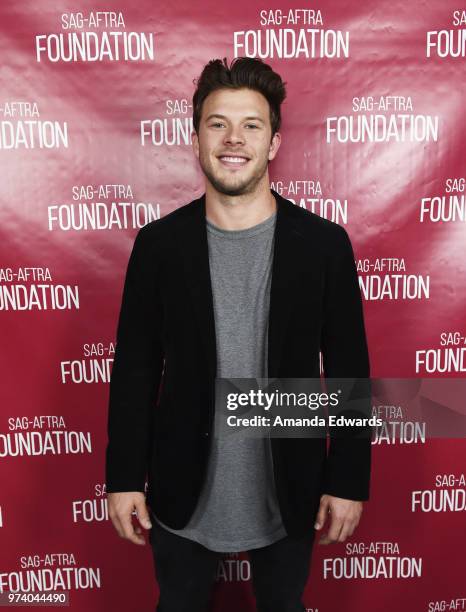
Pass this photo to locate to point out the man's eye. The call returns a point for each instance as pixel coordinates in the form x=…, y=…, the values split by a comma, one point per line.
x=247, y=125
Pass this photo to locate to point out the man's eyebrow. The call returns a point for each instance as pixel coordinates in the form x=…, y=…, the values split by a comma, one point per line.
x=252, y=117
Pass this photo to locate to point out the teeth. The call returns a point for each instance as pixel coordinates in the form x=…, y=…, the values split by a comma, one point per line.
x=234, y=159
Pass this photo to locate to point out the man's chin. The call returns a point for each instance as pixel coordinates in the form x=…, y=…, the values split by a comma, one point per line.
x=230, y=189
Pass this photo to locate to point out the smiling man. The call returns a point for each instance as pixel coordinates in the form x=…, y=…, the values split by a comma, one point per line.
x=218, y=288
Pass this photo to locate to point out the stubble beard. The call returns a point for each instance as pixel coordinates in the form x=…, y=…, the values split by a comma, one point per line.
x=246, y=185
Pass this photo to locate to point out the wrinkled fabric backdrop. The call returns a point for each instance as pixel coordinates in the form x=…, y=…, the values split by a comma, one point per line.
x=95, y=122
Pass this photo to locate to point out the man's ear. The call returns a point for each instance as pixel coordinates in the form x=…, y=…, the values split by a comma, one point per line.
x=274, y=145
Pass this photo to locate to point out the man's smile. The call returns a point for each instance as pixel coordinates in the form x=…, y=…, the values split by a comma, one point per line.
x=233, y=161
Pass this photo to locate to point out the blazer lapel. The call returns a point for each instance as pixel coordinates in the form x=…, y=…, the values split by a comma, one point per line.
x=287, y=274
x=287, y=271
x=193, y=249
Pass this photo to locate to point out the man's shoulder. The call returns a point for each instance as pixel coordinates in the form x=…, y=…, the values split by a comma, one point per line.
x=161, y=228
x=171, y=219
x=327, y=233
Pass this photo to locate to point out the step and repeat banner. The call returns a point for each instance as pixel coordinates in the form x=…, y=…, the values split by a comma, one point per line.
x=95, y=142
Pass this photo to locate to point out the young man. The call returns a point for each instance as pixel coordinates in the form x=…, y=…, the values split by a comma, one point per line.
x=238, y=283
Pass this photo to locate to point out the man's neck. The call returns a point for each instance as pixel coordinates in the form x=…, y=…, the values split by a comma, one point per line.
x=239, y=212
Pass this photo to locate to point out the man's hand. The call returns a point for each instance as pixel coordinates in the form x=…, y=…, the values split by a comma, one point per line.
x=344, y=514
x=120, y=509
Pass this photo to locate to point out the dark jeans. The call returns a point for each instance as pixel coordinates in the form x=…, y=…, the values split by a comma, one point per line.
x=186, y=571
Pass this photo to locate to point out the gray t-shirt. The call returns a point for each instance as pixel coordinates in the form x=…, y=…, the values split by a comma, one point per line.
x=238, y=508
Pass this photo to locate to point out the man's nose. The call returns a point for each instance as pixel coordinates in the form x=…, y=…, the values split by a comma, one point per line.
x=233, y=135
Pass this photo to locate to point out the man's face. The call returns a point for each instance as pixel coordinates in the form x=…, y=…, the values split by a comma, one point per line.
x=234, y=145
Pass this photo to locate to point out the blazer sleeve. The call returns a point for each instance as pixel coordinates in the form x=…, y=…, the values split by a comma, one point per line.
x=136, y=371
x=345, y=355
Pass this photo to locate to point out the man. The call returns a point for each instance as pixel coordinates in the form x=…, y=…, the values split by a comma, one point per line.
x=238, y=283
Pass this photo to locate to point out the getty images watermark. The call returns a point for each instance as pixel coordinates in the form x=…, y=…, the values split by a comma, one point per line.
x=340, y=407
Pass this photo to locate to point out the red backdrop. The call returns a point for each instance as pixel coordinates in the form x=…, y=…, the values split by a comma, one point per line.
x=95, y=122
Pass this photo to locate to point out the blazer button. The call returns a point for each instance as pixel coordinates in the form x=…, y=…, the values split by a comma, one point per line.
x=206, y=433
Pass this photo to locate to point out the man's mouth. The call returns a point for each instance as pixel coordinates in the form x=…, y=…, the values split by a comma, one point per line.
x=233, y=161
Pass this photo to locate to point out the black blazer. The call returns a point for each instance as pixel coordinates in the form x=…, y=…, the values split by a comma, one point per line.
x=161, y=400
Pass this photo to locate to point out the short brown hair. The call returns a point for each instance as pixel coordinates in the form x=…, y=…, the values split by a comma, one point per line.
x=248, y=72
